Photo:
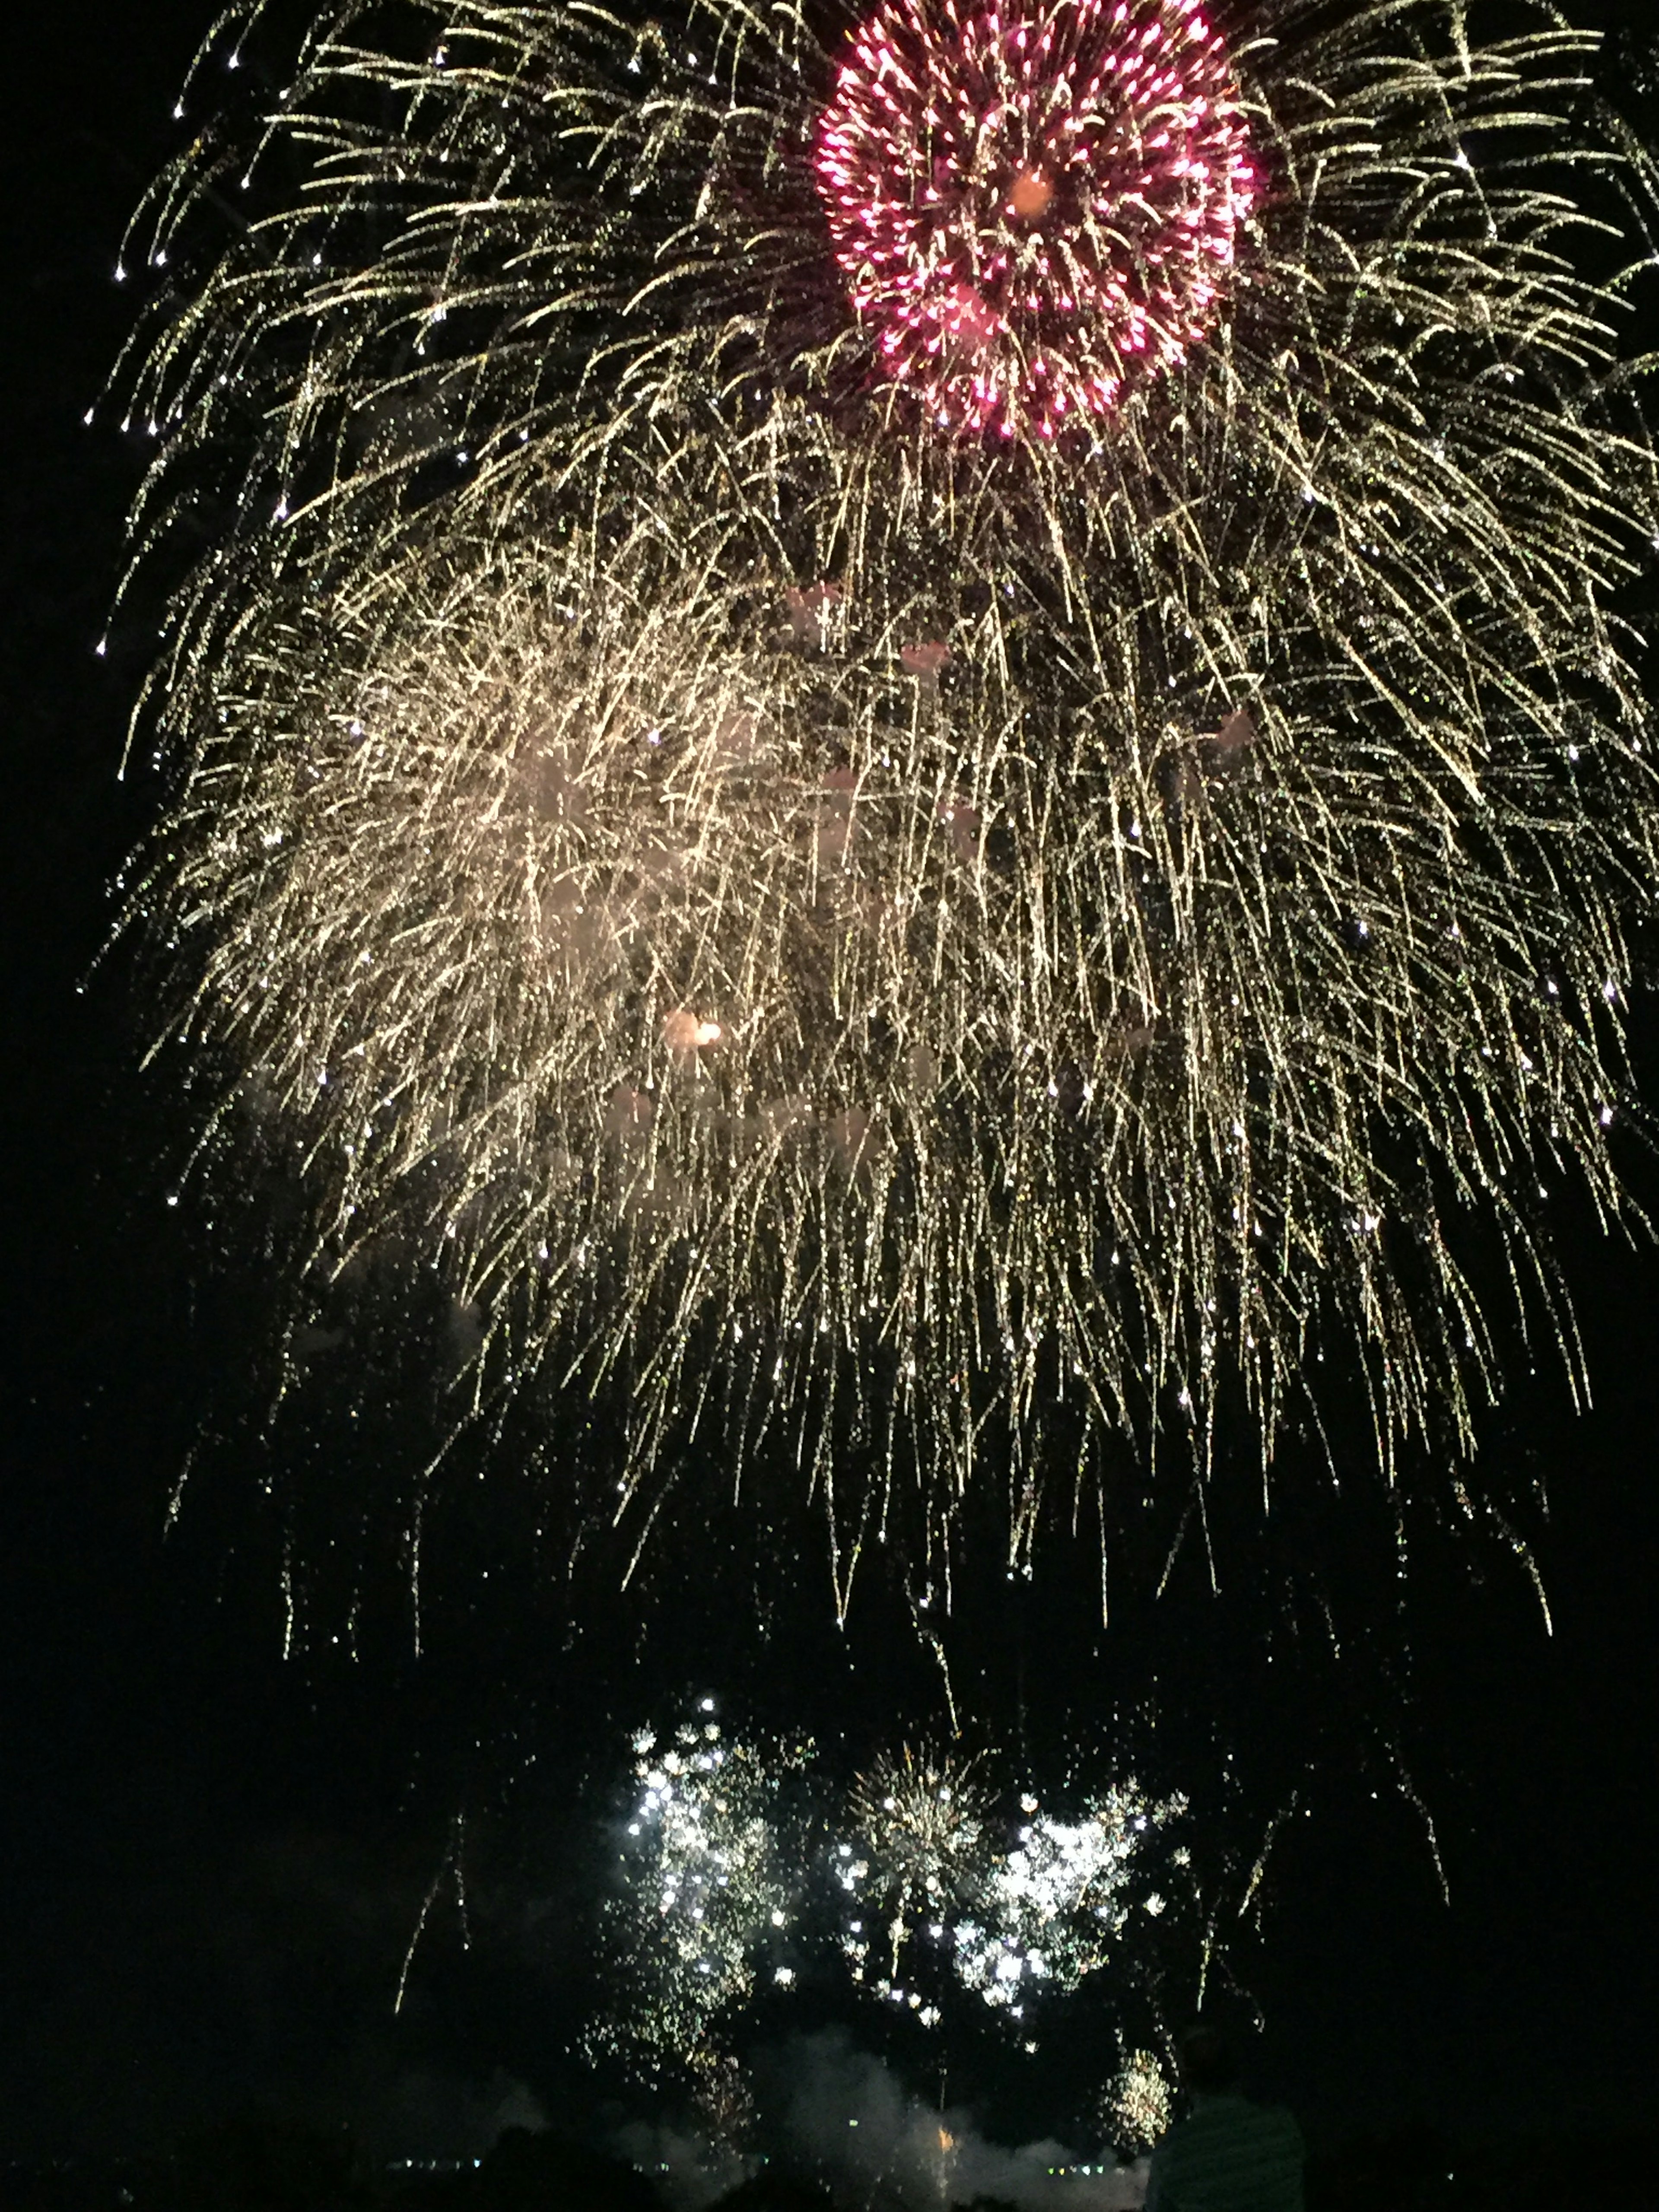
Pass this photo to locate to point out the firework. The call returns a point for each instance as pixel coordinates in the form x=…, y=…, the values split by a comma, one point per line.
x=931, y=857
x=1058, y=1903
x=1032, y=204
x=1138, y=2106
x=704, y=1891
x=918, y=1858
x=744, y=1870
x=938, y=1892
x=922, y=1818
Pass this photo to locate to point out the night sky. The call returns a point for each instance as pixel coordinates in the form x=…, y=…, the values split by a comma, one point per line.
x=211, y=1856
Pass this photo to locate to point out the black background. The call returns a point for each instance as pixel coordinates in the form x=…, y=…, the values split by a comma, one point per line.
x=211, y=1856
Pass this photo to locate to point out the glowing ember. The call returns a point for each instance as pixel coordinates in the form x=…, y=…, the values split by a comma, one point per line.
x=683, y=1032
x=1034, y=202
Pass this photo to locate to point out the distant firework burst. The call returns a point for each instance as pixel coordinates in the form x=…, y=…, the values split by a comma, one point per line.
x=745, y=1871
x=1058, y=1905
x=1032, y=202
x=945, y=1891
x=1139, y=2104
x=922, y=1823
x=705, y=1891
x=890, y=945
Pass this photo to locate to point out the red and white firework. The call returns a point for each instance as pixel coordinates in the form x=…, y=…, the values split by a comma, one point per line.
x=1034, y=201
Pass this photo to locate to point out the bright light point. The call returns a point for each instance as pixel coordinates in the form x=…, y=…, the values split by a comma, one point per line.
x=684, y=1031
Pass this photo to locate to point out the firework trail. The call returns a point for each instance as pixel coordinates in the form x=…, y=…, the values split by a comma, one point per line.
x=915, y=734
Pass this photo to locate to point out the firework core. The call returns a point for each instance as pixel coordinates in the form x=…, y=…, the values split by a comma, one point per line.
x=1034, y=202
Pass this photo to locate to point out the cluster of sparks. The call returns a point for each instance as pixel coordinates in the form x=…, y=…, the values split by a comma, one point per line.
x=1139, y=2104
x=930, y=1885
x=895, y=946
x=919, y=1827
x=705, y=1887
x=936, y=1890
x=1031, y=202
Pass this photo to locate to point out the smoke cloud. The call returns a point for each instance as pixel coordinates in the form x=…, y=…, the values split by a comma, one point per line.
x=841, y=2115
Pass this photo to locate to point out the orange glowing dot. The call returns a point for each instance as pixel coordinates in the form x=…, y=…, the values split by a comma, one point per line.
x=1030, y=195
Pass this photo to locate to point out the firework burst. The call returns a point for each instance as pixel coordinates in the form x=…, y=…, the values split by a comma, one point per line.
x=1139, y=2104
x=705, y=1889
x=745, y=1869
x=1009, y=1911
x=1057, y=1904
x=1032, y=202
x=918, y=1856
x=847, y=923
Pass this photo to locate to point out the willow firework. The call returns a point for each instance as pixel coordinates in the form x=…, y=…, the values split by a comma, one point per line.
x=919, y=741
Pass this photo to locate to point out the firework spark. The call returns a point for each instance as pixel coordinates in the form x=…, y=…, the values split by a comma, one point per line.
x=922, y=945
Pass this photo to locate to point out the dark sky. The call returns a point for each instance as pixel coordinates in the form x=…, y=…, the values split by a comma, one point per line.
x=211, y=1856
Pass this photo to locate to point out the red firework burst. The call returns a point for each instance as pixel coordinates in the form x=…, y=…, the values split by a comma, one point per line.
x=1033, y=200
